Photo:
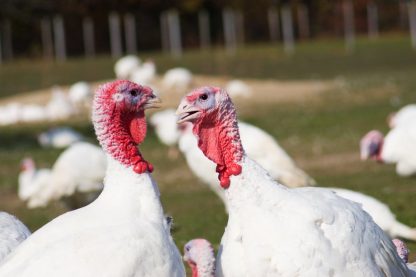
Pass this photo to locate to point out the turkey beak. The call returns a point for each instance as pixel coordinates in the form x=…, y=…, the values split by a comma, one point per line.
x=186, y=112
x=152, y=103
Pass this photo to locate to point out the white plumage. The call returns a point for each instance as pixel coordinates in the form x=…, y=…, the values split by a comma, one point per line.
x=380, y=212
x=125, y=65
x=399, y=147
x=80, y=168
x=59, y=107
x=31, y=179
x=405, y=115
x=144, y=74
x=276, y=162
x=12, y=233
x=33, y=113
x=276, y=231
x=164, y=123
x=177, y=78
x=80, y=94
x=124, y=231
x=10, y=113
x=237, y=88
x=60, y=137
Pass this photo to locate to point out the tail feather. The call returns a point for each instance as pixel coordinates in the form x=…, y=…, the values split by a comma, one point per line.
x=403, y=231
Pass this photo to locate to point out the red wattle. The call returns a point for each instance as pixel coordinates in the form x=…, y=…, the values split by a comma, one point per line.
x=138, y=128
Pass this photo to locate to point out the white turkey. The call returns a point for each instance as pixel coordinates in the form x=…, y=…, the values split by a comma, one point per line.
x=59, y=107
x=237, y=88
x=33, y=113
x=406, y=115
x=398, y=147
x=31, y=180
x=60, y=137
x=124, y=231
x=76, y=176
x=273, y=230
x=10, y=113
x=80, y=94
x=144, y=74
x=166, y=129
x=125, y=66
x=177, y=78
x=12, y=233
x=199, y=255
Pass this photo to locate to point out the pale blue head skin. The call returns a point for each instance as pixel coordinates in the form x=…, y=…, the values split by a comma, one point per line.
x=371, y=144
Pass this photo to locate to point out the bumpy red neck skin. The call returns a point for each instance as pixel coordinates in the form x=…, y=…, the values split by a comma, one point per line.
x=119, y=131
x=219, y=139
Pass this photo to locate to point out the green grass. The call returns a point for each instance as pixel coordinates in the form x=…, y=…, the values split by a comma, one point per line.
x=375, y=79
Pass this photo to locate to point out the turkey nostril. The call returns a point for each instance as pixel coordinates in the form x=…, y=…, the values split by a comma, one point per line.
x=184, y=106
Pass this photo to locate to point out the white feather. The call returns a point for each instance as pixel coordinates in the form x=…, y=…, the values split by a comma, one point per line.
x=12, y=233
x=59, y=137
x=177, y=78
x=125, y=65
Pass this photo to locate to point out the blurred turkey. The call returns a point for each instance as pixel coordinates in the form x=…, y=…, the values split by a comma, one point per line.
x=59, y=107
x=80, y=94
x=60, y=137
x=406, y=115
x=125, y=66
x=238, y=88
x=164, y=123
x=10, y=113
x=177, y=79
x=398, y=147
x=76, y=177
x=144, y=74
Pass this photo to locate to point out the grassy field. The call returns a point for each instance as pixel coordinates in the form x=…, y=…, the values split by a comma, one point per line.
x=322, y=135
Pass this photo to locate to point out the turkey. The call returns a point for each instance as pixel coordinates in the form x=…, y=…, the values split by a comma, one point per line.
x=406, y=115
x=60, y=137
x=125, y=66
x=80, y=94
x=199, y=255
x=31, y=179
x=12, y=233
x=166, y=129
x=10, y=113
x=398, y=147
x=177, y=78
x=76, y=176
x=273, y=230
x=59, y=107
x=237, y=88
x=124, y=231
x=204, y=169
x=144, y=74
x=33, y=113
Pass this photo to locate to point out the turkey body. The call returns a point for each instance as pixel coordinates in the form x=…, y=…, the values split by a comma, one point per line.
x=12, y=233
x=315, y=232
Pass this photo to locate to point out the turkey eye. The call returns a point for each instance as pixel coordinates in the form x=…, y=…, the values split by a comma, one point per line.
x=187, y=248
x=134, y=92
x=203, y=97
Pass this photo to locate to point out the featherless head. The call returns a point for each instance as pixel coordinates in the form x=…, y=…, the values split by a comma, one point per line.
x=27, y=164
x=214, y=120
x=402, y=250
x=119, y=121
x=371, y=144
x=199, y=255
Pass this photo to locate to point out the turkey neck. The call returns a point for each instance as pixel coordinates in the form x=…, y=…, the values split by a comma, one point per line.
x=124, y=189
x=136, y=194
x=219, y=139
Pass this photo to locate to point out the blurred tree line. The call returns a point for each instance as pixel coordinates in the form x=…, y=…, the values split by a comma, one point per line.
x=325, y=17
